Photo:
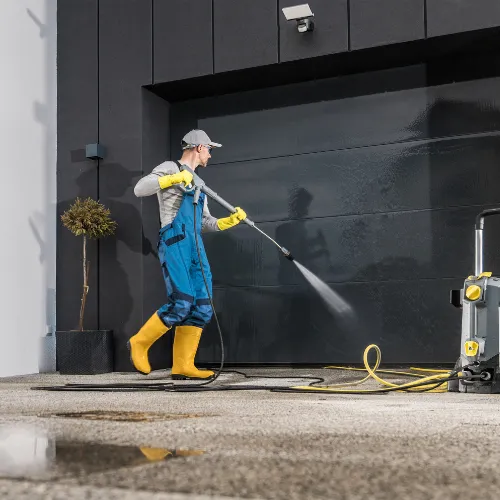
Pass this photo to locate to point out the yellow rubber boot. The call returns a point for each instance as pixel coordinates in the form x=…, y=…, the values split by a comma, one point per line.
x=155, y=454
x=140, y=343
x=186, y=343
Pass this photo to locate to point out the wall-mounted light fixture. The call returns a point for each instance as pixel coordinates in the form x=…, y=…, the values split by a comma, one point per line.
x=302, y=14
x=95, y=151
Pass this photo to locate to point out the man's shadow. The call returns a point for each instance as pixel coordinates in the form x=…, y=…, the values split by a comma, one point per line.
x=120, y=283
x=299, y=305
x=295, y=235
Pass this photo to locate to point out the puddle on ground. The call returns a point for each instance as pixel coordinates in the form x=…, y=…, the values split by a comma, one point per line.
x=28, y=452
x=123, y=416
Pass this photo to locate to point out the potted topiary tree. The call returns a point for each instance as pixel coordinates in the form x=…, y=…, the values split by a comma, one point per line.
x=86, y=352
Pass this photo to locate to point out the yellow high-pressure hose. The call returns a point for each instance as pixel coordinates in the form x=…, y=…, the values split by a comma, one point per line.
x=434, y=385
x=428, y=370
x=389, y=372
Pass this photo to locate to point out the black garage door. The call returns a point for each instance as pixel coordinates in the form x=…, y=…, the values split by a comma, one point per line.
x=375, y=191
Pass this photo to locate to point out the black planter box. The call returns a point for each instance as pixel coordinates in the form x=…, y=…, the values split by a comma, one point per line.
x=84, y=353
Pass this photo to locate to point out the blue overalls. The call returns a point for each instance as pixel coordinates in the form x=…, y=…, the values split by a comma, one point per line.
x=188, y=302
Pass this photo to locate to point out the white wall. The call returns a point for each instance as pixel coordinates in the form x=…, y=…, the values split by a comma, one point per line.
x=28, y=189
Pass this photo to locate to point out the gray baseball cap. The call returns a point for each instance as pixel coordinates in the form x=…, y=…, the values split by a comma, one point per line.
x=198, y=138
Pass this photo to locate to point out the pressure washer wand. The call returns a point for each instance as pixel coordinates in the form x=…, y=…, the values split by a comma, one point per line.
x=199, y=184
x=212, y=194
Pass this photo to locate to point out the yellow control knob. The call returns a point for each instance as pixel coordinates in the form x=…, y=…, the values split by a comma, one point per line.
x=471, y=348
x=473, y=292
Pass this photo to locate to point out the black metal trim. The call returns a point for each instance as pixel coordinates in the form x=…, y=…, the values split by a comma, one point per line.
x=152, y=42
x=349, y=26
x=425, y=19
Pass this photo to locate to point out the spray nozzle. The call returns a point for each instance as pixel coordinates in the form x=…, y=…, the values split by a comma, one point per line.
x=287, y=253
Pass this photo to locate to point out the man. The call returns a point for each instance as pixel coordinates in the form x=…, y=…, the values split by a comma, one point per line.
x=188, y=308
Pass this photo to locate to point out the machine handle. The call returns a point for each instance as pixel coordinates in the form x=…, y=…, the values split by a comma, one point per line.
x=478, y=251
x=485, y=213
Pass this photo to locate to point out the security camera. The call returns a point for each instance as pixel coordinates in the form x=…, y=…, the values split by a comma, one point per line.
x=302, y=14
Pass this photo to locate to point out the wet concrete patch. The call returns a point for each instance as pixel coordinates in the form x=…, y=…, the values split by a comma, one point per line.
x=122, y=416
x=77, y=459
x=28, y=452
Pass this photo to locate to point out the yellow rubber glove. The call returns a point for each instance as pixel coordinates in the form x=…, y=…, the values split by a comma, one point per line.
x=232, y=220
x=169, y=180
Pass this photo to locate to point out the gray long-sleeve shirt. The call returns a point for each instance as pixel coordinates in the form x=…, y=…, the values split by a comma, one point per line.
x=170, y=199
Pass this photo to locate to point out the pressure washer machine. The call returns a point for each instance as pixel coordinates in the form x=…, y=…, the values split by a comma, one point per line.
x=480, y=343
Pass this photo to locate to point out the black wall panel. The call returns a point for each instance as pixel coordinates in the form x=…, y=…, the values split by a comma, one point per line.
x=393, y=177
x=453, y=16
x=382, y=22
x=424, y=244
x=183, y=43
x=376, y=194
x=124, y=66
x=77, y=125
x=456, y=109
x=245, y=34
x=407, y=320
x=183, y=118
x=330, y=33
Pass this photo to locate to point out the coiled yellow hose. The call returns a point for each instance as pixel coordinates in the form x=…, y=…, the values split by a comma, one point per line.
x=435, y=381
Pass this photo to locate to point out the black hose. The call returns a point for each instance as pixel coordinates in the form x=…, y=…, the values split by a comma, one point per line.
x=193, y=388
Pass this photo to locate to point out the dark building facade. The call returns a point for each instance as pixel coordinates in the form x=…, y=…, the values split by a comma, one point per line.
x=366, y=147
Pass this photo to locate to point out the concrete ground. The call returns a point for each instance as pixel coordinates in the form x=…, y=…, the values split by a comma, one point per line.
x=262, y=444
